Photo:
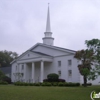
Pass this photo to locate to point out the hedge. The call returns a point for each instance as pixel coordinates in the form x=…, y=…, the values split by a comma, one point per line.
x=3, y=83
x=65, y=84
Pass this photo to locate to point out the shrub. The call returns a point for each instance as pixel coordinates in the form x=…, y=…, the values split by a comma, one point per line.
x=88, y=84
x=3, y=83
x=71, y=84
x=6, y=79
x=36, y=84
x=43, y=84
x=26, y=84
x=60, y=84
x=55, y=84
x=77, y=84
x=53, y=77
x=31, y=84
x=45, y=80
x=61, y=80
x=48, y=84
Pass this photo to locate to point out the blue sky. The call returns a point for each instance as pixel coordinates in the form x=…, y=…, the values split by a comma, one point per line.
x=23, y=23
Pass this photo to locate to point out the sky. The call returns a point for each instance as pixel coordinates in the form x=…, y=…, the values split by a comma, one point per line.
x=23, y=23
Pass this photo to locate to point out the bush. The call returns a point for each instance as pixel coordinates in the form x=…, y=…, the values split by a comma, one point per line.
x=53, y=77
x=45, y=80
x=48, y=84
x=36, y=84
x=88, y=84
x=43, y=84
x=61, y=80
x=55, y=84
x=77, y=84
x=31, y=84
x=6, y=79
x=60, y=84
x=71, y=84
x=3, y=83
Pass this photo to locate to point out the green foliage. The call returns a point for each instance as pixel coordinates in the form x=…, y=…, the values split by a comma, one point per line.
x=85, y=71
x=86, y=57
x=36, y=84
x=47, y=84
x=60, y=84
x=88, y=84
x=94, y=45
x=71, y=84
x=1, y=75
x=3, y=83
x=4, y=78
x=53, y=77
x=54, y=84
x=6, y=57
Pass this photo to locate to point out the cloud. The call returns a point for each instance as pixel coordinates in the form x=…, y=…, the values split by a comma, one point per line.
x=22, y=23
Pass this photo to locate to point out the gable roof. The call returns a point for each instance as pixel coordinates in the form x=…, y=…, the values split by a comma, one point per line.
x=54, y=47
x=41, y=53
x=48, y=46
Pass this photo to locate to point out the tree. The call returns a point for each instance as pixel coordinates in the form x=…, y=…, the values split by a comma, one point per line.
x=86, y=58
x=1, y=75
x=94, y=45
x=6, y=57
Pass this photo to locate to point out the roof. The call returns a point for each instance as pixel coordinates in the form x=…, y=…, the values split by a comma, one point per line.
x=55, y=47
x=49, y=46
x=6, y=70
x=41, y=53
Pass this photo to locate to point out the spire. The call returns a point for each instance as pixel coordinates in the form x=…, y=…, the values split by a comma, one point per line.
x=48, y=39
x=48, y=28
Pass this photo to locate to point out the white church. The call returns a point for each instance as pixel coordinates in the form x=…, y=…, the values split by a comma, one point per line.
x=44, y=58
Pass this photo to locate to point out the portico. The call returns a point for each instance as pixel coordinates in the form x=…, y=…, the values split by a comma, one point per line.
x=33, y=70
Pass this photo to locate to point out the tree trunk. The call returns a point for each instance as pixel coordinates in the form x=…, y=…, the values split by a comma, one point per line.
x=85, y=81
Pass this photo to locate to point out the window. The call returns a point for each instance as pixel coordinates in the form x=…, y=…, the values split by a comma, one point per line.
x=59, y=63
x=69, y=62
x=16, y=67
x=69, y=72
x=22, y=67
x=28, y=55
x=59, y=73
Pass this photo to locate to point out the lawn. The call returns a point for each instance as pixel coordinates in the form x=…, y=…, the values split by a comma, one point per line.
x=11, y=92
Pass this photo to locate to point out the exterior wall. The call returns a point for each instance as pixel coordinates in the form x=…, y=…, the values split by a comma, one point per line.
x=51, y=68
x=64, y=68
x=13, y=70
x=48, y=68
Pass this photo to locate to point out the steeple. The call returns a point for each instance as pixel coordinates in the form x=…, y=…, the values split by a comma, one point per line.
x=48, y=28
x=48, y=34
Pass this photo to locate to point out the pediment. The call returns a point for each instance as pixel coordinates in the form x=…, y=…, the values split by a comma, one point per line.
x=28, y=55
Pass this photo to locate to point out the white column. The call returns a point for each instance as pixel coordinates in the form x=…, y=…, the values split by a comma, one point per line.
x=33, y=72
x=24, y=72
x=42, y=71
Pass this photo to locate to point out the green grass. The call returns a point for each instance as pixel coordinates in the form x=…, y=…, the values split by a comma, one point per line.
x=10, y=92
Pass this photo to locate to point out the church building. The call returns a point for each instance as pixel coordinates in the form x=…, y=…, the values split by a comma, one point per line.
x=44, y=58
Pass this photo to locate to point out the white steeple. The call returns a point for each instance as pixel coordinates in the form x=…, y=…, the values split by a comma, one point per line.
x=48, y=34
x=48, y=28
